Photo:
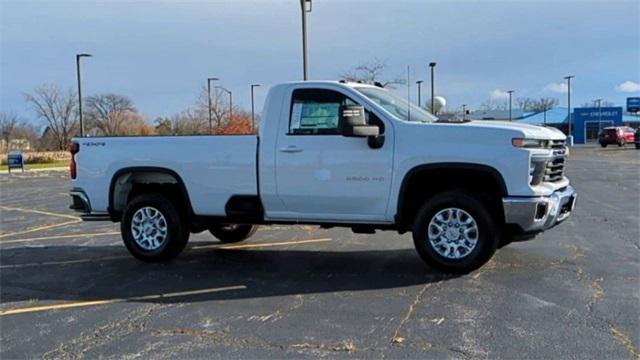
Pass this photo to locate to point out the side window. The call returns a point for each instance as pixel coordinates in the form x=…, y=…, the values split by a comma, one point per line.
x=315, y=112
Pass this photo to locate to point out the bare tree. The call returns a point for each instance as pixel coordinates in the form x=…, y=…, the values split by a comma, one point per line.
x=525, y=103
x=107, y=114
x=28, y=132
x=220, y=108
x=495, y=105
x=8, y=123
x=58, y=110
x=371, y=73
x=544, y=104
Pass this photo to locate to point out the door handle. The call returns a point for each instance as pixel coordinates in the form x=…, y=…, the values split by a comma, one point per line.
x=290, y=149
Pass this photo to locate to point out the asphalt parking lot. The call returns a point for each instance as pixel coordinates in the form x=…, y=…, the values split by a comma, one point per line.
x=70, y=289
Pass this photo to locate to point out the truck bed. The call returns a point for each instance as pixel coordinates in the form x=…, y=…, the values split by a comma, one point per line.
x=213, y=168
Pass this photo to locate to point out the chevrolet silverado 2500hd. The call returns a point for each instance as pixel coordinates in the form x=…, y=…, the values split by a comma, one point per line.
x=332, y=154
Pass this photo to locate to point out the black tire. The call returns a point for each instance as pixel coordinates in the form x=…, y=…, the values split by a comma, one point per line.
x=232, y=233
x=488, y=235
x=637, y=145
x=177, y=231
x=603, y=145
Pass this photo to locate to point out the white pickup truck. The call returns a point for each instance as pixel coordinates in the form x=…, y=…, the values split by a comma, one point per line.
x=333, y=154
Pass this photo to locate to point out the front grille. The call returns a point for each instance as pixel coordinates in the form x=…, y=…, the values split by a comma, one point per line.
x=545, y=169
x=554, y=170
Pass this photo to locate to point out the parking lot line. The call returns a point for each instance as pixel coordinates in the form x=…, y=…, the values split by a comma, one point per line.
x=66, y=262
x=216, y=246
x=255, y=245
x=75, y=220
x=41, y=212
x=58, y=237
x=78, y=304
x=38, y=228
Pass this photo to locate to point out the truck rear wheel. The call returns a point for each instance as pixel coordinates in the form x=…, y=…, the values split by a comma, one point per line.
x=152, y=228
x=455, y=232
x=232, y=233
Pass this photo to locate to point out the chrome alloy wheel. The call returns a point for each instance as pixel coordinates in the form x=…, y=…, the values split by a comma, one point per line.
x=453, y=233
x=149, y=228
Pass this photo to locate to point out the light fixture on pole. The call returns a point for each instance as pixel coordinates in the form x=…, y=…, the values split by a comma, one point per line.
x=510, y=103
x=570, y=134
x=253, y=116
x=305, y=7
x=230, y=102
x=78, y=56
x=209, y=80
x=432, y=65
x=419, y=82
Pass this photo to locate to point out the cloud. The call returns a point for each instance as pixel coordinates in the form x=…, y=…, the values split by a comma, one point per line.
x=498, y=94
x=560, y=88
x=628, y=87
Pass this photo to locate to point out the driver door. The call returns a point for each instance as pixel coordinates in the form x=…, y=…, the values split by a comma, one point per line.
x=322, y=175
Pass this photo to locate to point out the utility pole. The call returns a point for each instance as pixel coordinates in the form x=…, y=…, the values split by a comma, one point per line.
x=209, y=80
x=432, y=65
x=510, y=102
x=305, y=7
x=78, y=56
x=253, y=116
x=419, y=82
x=568, y=78
x=230, y=103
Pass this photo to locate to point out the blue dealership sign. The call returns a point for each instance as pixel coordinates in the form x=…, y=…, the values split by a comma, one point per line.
x=588, y=121
x=633, y=104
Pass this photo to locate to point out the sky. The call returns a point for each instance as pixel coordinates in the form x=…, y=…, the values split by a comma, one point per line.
x=159, y=53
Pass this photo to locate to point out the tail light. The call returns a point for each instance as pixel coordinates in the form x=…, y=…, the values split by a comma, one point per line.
x=74, y=148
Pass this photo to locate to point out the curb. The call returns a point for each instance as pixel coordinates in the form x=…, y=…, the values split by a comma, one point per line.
x=26, y=171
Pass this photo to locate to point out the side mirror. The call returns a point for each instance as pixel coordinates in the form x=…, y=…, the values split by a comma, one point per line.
x=352, y=122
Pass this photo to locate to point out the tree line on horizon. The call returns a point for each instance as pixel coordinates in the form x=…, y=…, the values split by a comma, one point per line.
x=109, y=114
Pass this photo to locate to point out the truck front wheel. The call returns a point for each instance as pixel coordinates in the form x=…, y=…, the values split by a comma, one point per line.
x=232, y=233
x=455, y=232
x=152, y=228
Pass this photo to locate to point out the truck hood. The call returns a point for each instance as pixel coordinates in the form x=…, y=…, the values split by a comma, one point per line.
x=528, y=131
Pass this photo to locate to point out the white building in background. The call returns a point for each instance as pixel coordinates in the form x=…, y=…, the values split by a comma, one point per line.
x=15, y=144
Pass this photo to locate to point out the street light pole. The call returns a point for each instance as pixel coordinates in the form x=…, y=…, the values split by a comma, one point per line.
x=253, y=116
x=568, y=78
x=230, y=102
x=432, y=65
x=209, y=80
x=305, y=54
x=510, y=99
x=419, y=82
x=78, y=56
x=464, y=112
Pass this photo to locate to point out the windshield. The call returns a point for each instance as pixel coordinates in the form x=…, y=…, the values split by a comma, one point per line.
x=396, y=105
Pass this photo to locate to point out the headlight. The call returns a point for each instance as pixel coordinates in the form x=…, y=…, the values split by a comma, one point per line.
x=530, y=143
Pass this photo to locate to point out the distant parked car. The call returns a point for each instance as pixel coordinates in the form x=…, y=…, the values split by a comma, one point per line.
x=616, y=135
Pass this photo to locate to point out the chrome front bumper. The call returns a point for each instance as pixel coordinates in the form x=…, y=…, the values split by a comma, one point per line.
x=533, y=214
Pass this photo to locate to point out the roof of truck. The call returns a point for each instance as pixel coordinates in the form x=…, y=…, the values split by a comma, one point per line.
x=326, y=82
